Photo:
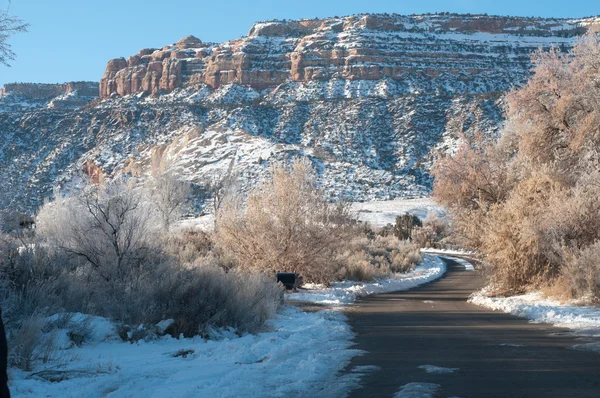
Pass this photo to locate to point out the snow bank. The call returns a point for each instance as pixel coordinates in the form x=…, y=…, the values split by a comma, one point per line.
x=584, y=320
x=431, y=250
x=342, y=293
x=301, y=353
x=534, y=307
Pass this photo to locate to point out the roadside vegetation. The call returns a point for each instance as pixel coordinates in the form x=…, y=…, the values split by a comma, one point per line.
x=528, y=200
x=114, y=250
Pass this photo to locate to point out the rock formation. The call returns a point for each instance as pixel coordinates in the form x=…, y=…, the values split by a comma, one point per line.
x=367, y=47
x=368, y=99
x=47, y=91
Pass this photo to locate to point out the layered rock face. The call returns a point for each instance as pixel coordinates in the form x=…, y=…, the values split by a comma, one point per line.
x=369, y=47
x=23, y=96
x=46, y=91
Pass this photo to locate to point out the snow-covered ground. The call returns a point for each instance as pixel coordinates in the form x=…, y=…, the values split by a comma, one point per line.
x=381, y=213
x=204, y=223
x=343, y=293
x=585, y=320
x=301, y=353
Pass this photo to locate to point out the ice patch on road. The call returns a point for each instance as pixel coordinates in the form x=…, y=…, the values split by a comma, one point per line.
x=510, y=345
x=365, y=369
x=437, y=369
x=417, y=390
x=342, y=293
x=593, y=347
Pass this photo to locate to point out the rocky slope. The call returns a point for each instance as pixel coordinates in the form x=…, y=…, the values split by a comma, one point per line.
x=366, y=98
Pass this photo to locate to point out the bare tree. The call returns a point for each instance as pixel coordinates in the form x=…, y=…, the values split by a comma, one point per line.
x=9, y=25
x=169, y=197
x=109, y=227
x=222, y=185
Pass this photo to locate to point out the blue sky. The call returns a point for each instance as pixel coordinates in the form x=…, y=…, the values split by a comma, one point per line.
x=73, y=39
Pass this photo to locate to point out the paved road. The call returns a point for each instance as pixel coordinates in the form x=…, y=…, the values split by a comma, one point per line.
x=497, y=355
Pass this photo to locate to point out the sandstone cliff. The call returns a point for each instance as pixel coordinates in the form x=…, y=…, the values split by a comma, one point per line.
x=367, y=47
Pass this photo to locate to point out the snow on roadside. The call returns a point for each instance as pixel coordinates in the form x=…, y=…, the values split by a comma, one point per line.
x=585, y=320
x=302, y=352
x=468, y=266
x=343, y=293
x=447, y=252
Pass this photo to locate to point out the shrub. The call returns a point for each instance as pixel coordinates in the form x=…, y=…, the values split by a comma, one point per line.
x=285, y=225
x=529, y=200
x=100, y=254
x=31, y=342
x=582, y=272
x=366, y=259
x=403, y=227
x=198, y=298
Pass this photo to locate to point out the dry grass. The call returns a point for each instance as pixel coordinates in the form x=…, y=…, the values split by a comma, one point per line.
x=366, y=259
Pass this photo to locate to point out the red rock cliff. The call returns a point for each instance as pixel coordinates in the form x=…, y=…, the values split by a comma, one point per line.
x=366, y=47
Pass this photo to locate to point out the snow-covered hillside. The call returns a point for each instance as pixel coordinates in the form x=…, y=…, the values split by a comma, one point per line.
x=367, y=98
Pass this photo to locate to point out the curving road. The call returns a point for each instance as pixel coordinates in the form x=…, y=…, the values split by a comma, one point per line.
x=493, y=354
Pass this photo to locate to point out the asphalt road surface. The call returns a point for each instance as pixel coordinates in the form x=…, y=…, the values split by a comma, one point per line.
x=492, y=354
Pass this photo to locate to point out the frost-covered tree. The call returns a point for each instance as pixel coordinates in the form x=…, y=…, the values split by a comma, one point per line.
x=529, y=202
x=169, y=196
x=109, y=227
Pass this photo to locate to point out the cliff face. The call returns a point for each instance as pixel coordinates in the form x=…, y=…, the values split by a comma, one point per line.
x=47, y=91
x=23, y=96
x=369, y=47
x=368, y=99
